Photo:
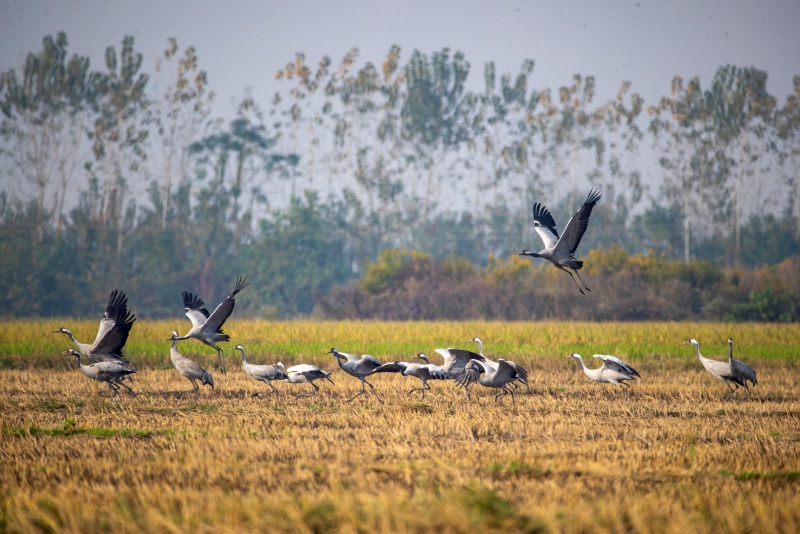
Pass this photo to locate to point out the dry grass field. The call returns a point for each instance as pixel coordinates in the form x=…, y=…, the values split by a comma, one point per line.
x=569, y=457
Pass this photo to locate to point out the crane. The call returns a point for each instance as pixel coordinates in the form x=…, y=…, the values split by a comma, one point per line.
x=740, y=369
x=188, y=368
x=455, y=360
x=110, y=372
x=305, y=373
x=493, y=364
x=720, y=370
x=357, y=367
x=112, y=333
x=506, y=372
x=206, y=327
x=613, y=371
x=263, y=373
x=560, y=250
x=424, y=371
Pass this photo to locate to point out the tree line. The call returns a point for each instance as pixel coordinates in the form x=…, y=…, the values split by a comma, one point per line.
x=113, y=177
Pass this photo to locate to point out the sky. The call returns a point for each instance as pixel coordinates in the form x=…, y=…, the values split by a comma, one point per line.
x=242, y=44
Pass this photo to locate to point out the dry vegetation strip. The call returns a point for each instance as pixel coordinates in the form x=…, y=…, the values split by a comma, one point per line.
x=570, y=457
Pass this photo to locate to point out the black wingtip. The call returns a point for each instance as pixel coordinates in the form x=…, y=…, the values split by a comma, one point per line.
x=194, y=302
x=594, y=196
x=116, y=301
x=241, y=283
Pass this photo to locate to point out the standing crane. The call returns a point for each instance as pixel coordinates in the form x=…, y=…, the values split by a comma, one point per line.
x=424, y=371
x=506, y=372
x=188, y=368
x=720, y=370
x=740, y=369
x=357, y=367
x=560, y=250
x=206, y=327
x=110, y=372
x=112, y=333
x=493, y=364
x=613, y=371
x=263, y=373
x=305, y=373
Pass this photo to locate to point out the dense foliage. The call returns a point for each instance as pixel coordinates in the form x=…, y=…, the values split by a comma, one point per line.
x=117, y=178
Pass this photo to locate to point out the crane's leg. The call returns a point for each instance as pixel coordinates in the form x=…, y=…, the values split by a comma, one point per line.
x=373, y=389
x=513, y=397
x=582, y=282
x=112, y=388
x=269, y=383
x=573, y=279
x=503, y=393
x=221, y=361
x=130, y=391
x=625, y=388
x=730, y=396
x=363, y=390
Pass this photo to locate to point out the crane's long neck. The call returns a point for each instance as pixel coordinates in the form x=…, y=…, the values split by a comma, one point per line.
x=697, y=349
x=244, y=358
x=480, y=346
x=730, y=351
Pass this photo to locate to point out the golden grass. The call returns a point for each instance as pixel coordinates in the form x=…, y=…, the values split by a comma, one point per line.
x=570, y=457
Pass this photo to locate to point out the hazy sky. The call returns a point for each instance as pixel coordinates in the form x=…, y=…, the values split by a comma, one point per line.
x=242, y=44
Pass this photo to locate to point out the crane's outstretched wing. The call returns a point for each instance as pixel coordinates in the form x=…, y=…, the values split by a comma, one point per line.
x=114, y=340
x=223, y=311
x=612, y=362
x=472, y=372
x=577, y=225
x=436, y=372
x=117, y=302
x=545, y=225
x=366, y=365
x=391, y=367
x=508, y=371
x=194, y=308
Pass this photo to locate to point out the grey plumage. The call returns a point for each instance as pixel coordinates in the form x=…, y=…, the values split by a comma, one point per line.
x=493, y=364
x=306, y=374
x=455, y=360
x=424, y=371
x=207, y=328
x=359, y=367
x=720, y=370
x=560, y=251
x=188, y=368
x=110, y=372
x=262, y=373
x=613, y=371
x=478, y=371
x=112, y=332
x=741, y=370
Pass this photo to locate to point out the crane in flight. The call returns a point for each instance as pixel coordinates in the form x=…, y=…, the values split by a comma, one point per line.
x=207, y=328
x=112, y=333
x=560, y=251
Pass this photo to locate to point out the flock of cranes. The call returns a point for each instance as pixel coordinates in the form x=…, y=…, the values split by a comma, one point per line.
x=464, y=367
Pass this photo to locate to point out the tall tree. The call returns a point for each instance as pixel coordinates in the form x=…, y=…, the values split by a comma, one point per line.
x=741, y=110
x=181, y=115
x=684, y=138
x=119, y=137
x=44, y=123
